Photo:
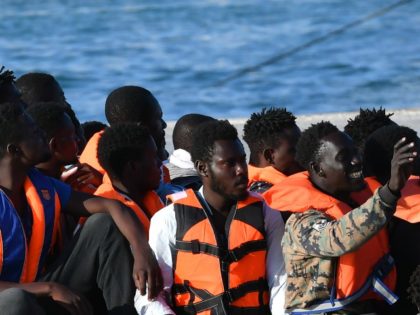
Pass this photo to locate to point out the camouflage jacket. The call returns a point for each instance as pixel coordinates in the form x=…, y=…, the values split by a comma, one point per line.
x=312, y=242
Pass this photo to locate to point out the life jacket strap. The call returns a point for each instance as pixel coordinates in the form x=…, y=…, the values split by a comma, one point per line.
x=229, y=256
x=374, y=281
x=217, y=301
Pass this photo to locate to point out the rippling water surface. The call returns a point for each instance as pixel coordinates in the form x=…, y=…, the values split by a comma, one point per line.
x=179, y=49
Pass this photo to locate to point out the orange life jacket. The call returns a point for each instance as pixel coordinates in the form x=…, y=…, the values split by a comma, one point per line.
x=21, y=261
x=90, y=152
x=151, y=201
x=260, y=179
x=211, y=278
x=408, y=206
x=297, y=194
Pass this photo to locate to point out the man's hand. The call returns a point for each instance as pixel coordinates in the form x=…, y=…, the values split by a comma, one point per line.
x=85, y=179
x=74, y=303
x=146, y=273
x=401, y=164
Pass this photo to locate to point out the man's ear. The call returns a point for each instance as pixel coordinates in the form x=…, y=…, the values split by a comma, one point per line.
x=315, y=168
x=201, y=168
x=269, y=155
x=13, y=149
x=52, y=144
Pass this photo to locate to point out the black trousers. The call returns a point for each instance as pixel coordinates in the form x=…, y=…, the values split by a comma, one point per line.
x=98, y=264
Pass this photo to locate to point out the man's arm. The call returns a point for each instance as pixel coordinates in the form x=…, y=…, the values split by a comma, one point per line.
x=161, y=239
x=71, y=301
x=276, y=273
x=146, y=269
x=315, y=233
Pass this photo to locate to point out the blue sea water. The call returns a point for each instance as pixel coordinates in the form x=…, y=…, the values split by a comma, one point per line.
x=179, y=49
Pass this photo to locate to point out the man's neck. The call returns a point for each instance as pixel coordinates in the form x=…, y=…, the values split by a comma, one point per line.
x=51, y=168
x=218, y=202
x=130, y=190
x=12, y=179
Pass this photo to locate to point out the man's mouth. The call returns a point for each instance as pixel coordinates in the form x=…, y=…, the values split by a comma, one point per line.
x=356, y=175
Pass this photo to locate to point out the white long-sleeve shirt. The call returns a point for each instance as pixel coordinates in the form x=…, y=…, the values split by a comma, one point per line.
x=162, y=239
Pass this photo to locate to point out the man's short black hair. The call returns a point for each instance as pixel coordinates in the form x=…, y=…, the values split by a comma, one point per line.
x=129, y=104
x=6, y=76
x=265, y=128
x=120, y=144
x=207, y=134
x=379, y=149
x=92, y=127
x=9, y=128
x=40, y=87
x=366, y=122
x=307, y=148
x=185, y=128
x=48, y=116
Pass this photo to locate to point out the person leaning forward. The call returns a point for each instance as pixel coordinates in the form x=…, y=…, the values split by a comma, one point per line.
x=336, y=250
x=219, y=247
x=30, y=207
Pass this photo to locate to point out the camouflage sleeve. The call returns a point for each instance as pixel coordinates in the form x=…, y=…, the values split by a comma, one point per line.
x=315, y=233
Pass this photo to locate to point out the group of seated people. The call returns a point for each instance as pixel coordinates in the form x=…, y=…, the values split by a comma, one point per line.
x=100, y=219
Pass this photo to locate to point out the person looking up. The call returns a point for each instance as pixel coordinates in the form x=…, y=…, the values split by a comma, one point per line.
x=335, y=247
x=218, y=247
x=128, y=154
x=181, y=168
x=271, y=135
x=30, y=207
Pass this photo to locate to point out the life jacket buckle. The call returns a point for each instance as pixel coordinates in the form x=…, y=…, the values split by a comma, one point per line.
x=195, y=247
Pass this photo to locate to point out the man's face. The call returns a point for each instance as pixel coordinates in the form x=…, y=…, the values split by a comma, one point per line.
x=33, y=144
x=148, y=168
x=65, y=146
x=157, y=127
x=341, y=164
x=227, y=170
x=285, y=151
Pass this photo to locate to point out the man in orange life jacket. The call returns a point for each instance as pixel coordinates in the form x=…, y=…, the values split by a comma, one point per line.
x=128, y=153
x=218, y=248
x=334, y=255
x=404, y=227
x=271, y=136
x=30, y=208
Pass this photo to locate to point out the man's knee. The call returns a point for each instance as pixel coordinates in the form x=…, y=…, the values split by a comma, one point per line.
x=18, y=302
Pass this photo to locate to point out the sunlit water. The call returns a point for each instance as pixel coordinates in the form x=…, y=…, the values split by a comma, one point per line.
x=179, y=49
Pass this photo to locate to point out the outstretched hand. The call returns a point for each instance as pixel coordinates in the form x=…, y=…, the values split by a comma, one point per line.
x=401, y=164
x=146, y=273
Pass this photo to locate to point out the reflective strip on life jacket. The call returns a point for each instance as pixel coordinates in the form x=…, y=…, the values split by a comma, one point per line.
x=260, y=179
